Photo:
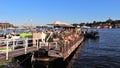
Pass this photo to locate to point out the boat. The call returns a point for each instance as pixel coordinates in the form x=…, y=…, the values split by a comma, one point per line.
x=92, y=34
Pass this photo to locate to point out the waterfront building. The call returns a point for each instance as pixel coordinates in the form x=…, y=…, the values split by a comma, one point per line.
x=4, y=25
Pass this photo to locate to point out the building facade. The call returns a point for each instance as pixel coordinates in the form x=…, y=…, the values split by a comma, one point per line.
x=5, y=25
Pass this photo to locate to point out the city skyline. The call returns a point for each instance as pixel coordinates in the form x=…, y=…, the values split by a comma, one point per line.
x=42, y=12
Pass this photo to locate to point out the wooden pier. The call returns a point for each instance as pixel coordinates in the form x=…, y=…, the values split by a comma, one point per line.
x=66, y=50
x=16, y=53
x=20, y=46
x=73, y=45
x=53, y=49
x=16, y=49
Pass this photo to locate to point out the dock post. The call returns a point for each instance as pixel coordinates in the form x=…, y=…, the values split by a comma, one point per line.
x=7, y=50
x=26, y=45
x=32, y=58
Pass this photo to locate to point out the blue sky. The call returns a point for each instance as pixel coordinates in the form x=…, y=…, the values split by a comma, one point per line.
x=42, y=12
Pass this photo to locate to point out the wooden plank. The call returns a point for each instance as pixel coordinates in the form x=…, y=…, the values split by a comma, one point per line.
x=16, y=53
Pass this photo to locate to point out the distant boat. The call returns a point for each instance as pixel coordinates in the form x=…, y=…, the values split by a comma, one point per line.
x=85, y=27
x=11, y=28
x=98, y=27
x=110, y=27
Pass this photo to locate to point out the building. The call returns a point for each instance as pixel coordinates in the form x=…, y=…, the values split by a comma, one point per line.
x=5, y=25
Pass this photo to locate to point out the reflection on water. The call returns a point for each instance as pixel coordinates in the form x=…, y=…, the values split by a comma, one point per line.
x=54, y=64
x=97, y=62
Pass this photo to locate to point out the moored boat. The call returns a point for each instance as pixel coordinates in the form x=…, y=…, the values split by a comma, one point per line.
x=92, y=34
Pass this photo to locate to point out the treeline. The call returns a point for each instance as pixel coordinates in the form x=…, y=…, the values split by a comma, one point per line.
x=109, y=22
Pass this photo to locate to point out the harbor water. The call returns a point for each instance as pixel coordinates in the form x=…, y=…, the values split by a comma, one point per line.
x=99, y=53
x=103, y=52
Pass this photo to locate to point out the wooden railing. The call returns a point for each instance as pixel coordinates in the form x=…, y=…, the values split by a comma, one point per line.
x=68, y=49
x=11, y=45
x=49, y=46
x=68, y=46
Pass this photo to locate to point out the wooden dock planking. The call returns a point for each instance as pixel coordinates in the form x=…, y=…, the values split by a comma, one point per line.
x=67, y=50
x=16, y=53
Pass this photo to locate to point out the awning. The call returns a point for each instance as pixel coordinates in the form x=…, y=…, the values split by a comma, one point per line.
x=61, y=24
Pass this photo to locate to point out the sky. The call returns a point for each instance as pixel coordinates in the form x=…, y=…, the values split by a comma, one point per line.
x=42, y=12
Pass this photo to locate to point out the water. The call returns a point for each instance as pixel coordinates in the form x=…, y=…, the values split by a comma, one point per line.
x=99, y=53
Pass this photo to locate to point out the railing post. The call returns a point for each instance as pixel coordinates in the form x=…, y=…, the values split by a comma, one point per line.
x=62, y=48
x=26, y=45
x=13, y=44
x=48, y=47
x=7, y=49
x=56, y=44
x=37, y=44
x=40, y=45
